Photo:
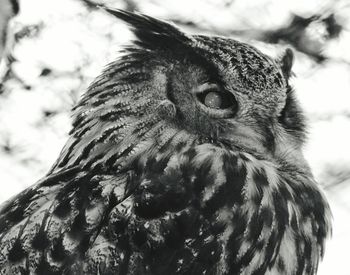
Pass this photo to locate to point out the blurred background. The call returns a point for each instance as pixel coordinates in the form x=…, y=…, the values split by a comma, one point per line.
x=52, y=49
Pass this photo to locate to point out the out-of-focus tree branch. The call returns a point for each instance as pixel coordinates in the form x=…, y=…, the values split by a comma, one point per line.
x=8, y=9
x=129, y=5
x=308, y=35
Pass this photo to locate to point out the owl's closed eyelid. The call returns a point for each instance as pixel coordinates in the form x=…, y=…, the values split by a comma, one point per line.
x=205, y=87
x=217, y=113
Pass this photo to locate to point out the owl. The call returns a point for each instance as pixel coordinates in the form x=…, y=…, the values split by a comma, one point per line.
x=184, y=158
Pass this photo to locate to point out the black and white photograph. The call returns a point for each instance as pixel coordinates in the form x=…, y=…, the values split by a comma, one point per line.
x=165, y=137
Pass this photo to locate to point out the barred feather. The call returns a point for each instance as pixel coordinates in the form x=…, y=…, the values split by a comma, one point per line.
x=150, y=182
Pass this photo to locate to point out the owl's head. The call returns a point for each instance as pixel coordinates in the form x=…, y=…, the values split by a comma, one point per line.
x=170, y=88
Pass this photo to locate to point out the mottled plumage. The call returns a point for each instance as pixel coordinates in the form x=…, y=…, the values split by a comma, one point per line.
x=184, y=158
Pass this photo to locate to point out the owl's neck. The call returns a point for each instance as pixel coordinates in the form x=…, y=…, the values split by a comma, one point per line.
x=286, y=209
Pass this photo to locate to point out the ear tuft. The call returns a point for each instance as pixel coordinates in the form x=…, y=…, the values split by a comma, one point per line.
x=151, y=32
x=286, y=63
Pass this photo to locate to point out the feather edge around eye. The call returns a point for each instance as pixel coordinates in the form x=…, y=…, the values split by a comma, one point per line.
x=215, y=101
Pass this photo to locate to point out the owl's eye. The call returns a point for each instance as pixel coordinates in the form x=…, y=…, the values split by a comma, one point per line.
x=216, y=101
x=213, y=100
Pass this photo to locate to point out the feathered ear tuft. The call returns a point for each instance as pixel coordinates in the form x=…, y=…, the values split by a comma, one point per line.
x=286, y=63
x=151, y=33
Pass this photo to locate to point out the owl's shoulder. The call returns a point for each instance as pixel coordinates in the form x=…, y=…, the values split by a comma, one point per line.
x=53, y=222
